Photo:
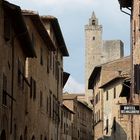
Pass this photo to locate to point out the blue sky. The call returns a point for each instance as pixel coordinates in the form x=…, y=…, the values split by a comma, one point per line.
x=72, y=16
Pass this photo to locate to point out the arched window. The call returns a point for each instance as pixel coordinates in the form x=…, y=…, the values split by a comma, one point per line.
x=93, y=22
x=3, y=135
x=45, y=138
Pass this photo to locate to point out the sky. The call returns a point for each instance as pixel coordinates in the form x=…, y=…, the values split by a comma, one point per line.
x=73, y=15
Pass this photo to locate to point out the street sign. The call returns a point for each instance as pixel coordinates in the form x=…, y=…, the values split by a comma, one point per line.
x=130, y=109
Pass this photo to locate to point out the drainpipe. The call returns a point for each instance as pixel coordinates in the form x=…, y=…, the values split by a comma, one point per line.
x=12, y=84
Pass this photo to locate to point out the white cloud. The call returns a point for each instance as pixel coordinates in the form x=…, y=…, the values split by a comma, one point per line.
x=72, y=86
x=58, y=3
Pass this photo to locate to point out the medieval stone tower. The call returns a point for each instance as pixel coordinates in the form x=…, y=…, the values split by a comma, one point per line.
x=98, y=51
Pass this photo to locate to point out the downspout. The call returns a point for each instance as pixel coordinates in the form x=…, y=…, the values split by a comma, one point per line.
x=12, y=84
x=132, y=72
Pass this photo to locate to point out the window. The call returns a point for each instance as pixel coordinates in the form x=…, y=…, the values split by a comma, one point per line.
x=107, y=96
x=21, y=137
x=51, y=57
x=41, y=56
x=41, y=98
x=94, y=117
x=54, y=106
x=114, y=124
x=134, y=32
x=106, y=126
x=54, y=60
x=25, y=133
x=3, y=135
x=20, y=74
x=137, y=78
x=57, y=72
x=114, y=93
x=33, y=137
x=93, y=38
x=48, y=63
x=7, y=27
x=4, y=96
x=99, y=96
x=40, y=137
x=33, y=40
x=99, y=115
x=33, y=88
x=15, y=132
x=61, y=77
x=93, y=22
x=96, y=99
x=47, y=105
x=78, y=133
x=50, y=103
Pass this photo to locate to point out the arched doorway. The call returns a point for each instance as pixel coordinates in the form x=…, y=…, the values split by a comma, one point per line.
x=3, y=135
x=25, y=133
x=33, y=137
x=21, y=137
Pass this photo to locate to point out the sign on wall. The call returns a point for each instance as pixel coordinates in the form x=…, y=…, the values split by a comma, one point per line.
x=129, y=109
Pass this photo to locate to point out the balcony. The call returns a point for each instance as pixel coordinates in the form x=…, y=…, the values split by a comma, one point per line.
x=125, y=3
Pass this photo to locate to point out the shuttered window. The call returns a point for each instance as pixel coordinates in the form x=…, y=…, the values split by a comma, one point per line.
x=7, y=27
x=4, y=96
x=137, y=78
x=33, y=88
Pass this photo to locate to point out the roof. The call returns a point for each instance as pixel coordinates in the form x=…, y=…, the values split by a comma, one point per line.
x=96, y=71
x=58, y=33
x=40, y=28
x=64, y=106
x=112, y=81
x=22, y=34
x=69, y=96
x=92, y=78
x=65, y=77
x=83, y=103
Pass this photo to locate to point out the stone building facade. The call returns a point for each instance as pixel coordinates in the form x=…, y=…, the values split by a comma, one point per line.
x=66, y=123
x=81, y=119
x=134, y=6
x=106, y=81
x=98, y=51
x=15, y=47
x=135, y=21
x=31, y=74
x=115, y=124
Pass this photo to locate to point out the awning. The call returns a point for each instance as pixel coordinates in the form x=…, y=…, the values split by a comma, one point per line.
x=125, y=3
x=125, y=89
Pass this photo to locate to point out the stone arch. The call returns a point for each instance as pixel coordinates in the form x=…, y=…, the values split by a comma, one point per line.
x=3, y=135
